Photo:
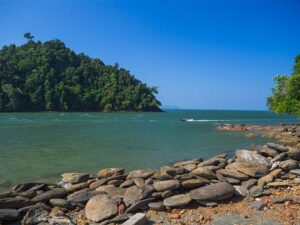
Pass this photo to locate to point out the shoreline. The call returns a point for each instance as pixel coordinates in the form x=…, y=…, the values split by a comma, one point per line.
x=259, y=179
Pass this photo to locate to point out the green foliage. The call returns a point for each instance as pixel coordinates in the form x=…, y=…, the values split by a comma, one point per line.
x=286, y=93
x=49, y=76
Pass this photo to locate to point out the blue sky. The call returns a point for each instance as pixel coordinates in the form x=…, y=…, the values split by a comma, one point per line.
x=201, y=54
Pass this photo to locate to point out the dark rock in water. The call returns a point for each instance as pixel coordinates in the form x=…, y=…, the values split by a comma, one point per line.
x=258, y=205
x=9, y=214
x=256, y=191
x=194, y=183
x=35, y=216
x=81, y=196
x=294, y=154
x=277, y=147
x=166, y=185
x=46, y=196
x=101, y=207
x=177, y=200
x=14, y=203
x=61, y=203
x=213, y=192
x=138, y=205
x=252, y=158
x=289, y=164
x=75, y=178
x=145, y=174
x=158, y=206
x=109, y=172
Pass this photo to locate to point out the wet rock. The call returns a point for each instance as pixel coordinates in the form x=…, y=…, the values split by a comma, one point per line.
x=204, y=172
x=265, y=180
x=289, y=164
x=256, y=191
x=97, y=183
x=138, y=205
x=177, y=200
x=104, y=173
x=249, y=183
x=213, y=192
x=34, y=216
x=258, y=205
x=81, y=196
x=252, y=157
x=294, y=154
x=233, y=173
x=194, y=183
x=252, y=170
x=137, y=219
x=46, y=196
x=75, y=178
x=61, y=203
x=242, y=191
x=14, y=203
x=166, y=185
x=101, y=207
x=158, y=206
x=193, y=161
x=9, y=214
x=145, y=174
x=277, y=147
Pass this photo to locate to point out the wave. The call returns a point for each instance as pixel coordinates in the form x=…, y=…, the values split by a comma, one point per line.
x=232, y=120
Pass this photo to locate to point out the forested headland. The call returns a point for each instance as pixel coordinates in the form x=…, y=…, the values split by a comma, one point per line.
x=48, y=76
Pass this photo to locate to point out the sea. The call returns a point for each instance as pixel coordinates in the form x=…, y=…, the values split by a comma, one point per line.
x=41, y=146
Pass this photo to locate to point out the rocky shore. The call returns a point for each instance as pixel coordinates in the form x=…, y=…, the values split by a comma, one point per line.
x=114, y=196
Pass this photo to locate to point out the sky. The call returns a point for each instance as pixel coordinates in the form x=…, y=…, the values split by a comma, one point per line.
x=200, y=54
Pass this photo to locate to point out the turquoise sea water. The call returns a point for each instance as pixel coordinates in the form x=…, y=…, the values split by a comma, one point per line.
x=41, y=146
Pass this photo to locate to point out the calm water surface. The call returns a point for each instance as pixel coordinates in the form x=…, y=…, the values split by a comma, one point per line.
x=41, y=146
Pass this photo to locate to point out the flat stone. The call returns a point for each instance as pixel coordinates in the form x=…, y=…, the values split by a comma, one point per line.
x=158, y=206
x=280, y=200
x=294, y=154
x=297, y=180
x=207, y=204
x=183, y=163
x=9, y=214
x=258, y=205
x=75, y=178
x=256, y=191
x=213, y=192
x=138, y=205
x=35, y=216
x=212, y=162
x=194, y=183
x=97, y=183
x=120, y=218
x=276, y=173
x=278, y=157
x=81, y=196
x=295, y=171
x=38, y=205
x=252, y=170
x=265, y=180
x=145, y=174
x=204, y=172
x=75, y=187
x=115, y=182
x=233, y=173
x=101, y=207
x=134, y=194
x=289, y=164
x=137, y=219
x=46, y=196
x=107, y=172
x=139, y=182
x=14, y=203
x=252, y=158
x=277, y=147
x=127, y=183
x=61, y=220
x=242, y=191
x=279, y=184
x=167, y=193
x=190, y=167
x=61, y=203
x=231, y=180
x=177, y=200
x=249, y=183
x=267, y=151
x=166, y=185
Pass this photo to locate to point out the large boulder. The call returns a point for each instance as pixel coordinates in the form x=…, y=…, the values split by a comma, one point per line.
x=75, y=178
x=101, y=207
x=213, y=192
x=252, y=158
x=109, y=172
x=178, y=200
x=166, y=185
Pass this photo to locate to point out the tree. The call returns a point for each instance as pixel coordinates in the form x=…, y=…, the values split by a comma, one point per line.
x=286, y=92
x=28, y=36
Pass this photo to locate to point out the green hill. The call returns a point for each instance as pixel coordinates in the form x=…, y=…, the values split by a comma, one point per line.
x=48, y=76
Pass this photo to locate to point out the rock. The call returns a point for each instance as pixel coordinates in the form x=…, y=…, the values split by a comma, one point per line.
x=140, y=204
x=242, y=191
x=101, y=207
x=46, y=196
x=208, y=204
x=276, y=173
x=258, y=205
x=166, y=185
x=249, y=183
x=167, y=193
x=279, y=184
x=14, y=203
x=220, y=177
x=277, y=147
x=194, y=183
x=137, y=219
x=295, y=171
x=252, y=158
x=233, y=173
x=158, y=206
x=289, y=164
x=75, y=187
x=256, y=191
x=139, y=182
x=177, y=200
x=104, y=173
x=212, y=162
x=213, y=192
x=297, y=180
x=252, y=170
x=278, y=157
x=127, y=183
x=115, y=182
x=231, y=180
x=60, y=220
x=26, y=186
x=134, y=194
x=266, y=151
x=34, y=216
x=111, y=190
x=294, y=154
x=97, y=183
x=204, y=172
x=186, y=176
x=61, y=203
x=145, y=174
x=81, y=196
x=280, y=200
x=75, y=178
x=120, y=218
x=190, y=167
x=9, y=214
x=265, y=180
x=183, y=163
x=38, y=205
